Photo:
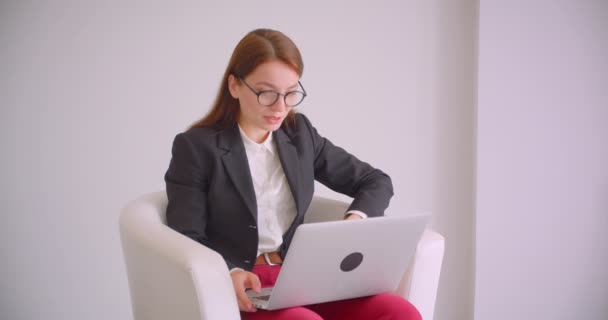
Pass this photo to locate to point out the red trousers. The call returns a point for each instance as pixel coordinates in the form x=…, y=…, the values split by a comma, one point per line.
x=385, y=306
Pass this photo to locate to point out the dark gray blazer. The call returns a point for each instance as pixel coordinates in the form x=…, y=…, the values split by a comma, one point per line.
x=211, y=195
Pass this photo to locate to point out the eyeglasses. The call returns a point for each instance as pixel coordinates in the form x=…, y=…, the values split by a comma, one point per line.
x=270, y=97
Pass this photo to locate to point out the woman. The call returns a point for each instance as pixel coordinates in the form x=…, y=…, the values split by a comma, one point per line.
x=241, y=178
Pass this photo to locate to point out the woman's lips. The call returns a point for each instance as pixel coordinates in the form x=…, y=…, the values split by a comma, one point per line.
x=272, y=120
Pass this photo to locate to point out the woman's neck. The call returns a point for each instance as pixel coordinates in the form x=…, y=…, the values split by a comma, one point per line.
x=257, y=135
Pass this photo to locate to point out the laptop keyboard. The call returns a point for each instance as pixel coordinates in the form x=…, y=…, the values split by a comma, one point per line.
x=260, y=300
x=263, y=298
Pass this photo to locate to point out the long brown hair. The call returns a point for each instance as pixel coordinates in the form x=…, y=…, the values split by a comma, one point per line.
x=257, y=47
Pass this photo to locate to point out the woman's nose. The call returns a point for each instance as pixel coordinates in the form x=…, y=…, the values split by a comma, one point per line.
x=279, y=105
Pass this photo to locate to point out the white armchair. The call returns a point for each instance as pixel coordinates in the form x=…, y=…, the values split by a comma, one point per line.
x=174, y=277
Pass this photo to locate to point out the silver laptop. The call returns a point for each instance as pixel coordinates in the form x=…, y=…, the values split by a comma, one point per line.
x=338, y=260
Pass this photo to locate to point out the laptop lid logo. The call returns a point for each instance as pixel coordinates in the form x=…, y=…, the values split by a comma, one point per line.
x=351, y=261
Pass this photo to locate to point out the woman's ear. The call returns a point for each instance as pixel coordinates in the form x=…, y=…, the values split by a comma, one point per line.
x=232, y=86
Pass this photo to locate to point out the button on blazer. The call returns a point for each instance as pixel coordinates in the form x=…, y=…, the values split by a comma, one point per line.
x=211, y=195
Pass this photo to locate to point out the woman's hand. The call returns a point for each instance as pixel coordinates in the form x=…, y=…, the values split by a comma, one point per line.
x=242, y=280
x=352, y=216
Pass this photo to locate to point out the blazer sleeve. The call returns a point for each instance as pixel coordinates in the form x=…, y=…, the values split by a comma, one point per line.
x=187, y=187
x=342, y=172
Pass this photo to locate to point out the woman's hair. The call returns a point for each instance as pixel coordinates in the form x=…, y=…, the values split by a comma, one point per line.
x=257, y=47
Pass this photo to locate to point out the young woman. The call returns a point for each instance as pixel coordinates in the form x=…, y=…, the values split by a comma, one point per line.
x=241, y=178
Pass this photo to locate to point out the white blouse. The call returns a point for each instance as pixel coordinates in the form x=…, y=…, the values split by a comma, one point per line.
x=275, y=203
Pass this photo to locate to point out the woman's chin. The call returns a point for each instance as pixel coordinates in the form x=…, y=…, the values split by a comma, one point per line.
x=272, y=126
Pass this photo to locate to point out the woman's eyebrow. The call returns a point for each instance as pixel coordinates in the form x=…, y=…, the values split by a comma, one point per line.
x=273, y=87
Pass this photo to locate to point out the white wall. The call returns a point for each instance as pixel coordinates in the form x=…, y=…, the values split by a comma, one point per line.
x=93, y=92
x=542, y=179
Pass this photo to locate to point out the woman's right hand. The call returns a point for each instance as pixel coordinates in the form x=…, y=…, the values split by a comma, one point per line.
x=242, y=280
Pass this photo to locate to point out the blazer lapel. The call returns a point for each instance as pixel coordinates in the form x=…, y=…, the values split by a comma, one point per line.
x=237, y=167
x=291, y=164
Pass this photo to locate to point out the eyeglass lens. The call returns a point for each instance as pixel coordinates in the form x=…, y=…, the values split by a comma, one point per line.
x=291, y=99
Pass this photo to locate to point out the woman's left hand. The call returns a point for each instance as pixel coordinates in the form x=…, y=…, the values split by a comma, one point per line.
x=352, y=216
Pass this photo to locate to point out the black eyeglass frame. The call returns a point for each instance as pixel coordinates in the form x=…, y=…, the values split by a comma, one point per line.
x=259, y=93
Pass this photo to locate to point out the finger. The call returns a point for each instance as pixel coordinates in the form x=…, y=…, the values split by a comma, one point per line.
x=239, y=290
x=242, y=305
x=256, y=284
x=244, y=301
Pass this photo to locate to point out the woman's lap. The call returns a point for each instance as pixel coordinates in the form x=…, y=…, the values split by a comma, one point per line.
x=385, y=306
x=295, y=313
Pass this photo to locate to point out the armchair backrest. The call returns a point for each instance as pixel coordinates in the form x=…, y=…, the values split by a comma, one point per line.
x=152, y=208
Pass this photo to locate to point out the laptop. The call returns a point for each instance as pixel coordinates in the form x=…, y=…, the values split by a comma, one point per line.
x=346, y=259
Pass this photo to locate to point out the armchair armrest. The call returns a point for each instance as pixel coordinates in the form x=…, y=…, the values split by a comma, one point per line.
x=170, y=275
x=421, y=280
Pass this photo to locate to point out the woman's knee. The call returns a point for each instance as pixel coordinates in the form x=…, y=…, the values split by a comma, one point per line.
x=295, y=313
x=395, y=307
x=299, y=313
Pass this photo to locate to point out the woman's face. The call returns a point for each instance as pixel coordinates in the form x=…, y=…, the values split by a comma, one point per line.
x=256, y=120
